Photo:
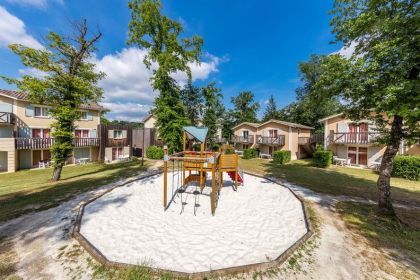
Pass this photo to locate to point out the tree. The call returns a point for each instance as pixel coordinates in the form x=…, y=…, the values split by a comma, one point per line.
x=312, y=104
x=245, y=108
x=192, y=99
x=159, y=34
x=213, y=109
x=70, y=80
x=271, y=110
x=380, y=79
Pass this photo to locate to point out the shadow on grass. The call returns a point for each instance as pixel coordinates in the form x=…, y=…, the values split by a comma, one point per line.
x=329, y=180
x=54, y=193
x=384, y=232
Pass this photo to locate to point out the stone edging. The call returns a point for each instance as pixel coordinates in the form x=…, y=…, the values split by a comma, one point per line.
x=99, y=257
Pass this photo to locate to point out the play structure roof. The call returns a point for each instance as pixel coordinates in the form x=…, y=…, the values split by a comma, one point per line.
x=199, y=133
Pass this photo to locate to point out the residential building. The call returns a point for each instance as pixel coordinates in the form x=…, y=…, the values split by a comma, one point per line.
x=116, y=142
x=25, y=133
x=273, y=135
x=355, y=141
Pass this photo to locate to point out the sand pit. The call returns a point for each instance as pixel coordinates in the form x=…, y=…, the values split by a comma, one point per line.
x=255, y=224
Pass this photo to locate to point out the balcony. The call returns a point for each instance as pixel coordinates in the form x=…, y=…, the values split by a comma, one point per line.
x=7, y=118
x=353, y=137
x=219, y=140
x=46, y=143
x=273, y=141
x=117, y=142
x=243, y=139
x=313, y=139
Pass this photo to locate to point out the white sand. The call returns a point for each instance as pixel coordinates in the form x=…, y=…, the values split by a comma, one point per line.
x=255, y=224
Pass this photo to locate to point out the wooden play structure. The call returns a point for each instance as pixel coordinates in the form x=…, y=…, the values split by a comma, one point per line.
x=194, y=166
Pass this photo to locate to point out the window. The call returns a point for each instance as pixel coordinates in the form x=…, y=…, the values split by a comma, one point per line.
x=272, y=133
x=117, y=153
x=40, y=133
x=118, y=134
x=81, y=133
x=83, y=115
x=41, y=112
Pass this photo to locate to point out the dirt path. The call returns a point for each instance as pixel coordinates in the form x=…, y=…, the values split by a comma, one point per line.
x=42, y=246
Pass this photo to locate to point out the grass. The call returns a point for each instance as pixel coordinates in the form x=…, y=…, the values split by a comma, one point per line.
x=31, y=190
x=335, y=180
x=385, y=232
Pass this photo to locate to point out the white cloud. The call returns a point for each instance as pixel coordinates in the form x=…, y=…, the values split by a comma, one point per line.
x=347, y=51
x=13, y=31
x=40, y=4
x=32, y=72
x=127, y=87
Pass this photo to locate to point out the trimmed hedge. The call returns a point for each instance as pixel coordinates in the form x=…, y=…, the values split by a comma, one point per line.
x=282, y=157
x=250, y=153
x=407, y=167
x=323, y=158
x=154, y=152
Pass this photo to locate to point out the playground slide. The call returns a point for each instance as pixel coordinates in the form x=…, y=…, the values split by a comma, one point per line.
x=232, y=176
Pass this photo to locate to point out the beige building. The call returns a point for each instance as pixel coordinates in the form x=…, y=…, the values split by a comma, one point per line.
x=271, y=136
x=355, y=141
x=25, y=133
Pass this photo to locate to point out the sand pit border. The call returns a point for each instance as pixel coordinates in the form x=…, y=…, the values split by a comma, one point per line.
x=99, y=257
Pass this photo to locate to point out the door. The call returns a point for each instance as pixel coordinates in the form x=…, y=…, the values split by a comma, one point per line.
x=363, y=132
x=116, y=152
x=352, y=133
x=362, y=154
x=36, y=157
x=46, y=155
x=352, y=155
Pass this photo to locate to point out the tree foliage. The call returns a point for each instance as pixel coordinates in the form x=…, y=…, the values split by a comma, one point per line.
x=245, y=108
x=69, y=81
x=271, y=111
x=213, y=109
x=380, y=80
x=192, y=98
x=160, y=35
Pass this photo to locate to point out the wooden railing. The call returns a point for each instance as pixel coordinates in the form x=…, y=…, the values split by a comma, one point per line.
x=267, y=140
x=46, y=143
x=115, y=142
x=313, y=139
x=353, y=137
x=303, y=140
x=243, y=139
x=7, y=118
x=219, y=140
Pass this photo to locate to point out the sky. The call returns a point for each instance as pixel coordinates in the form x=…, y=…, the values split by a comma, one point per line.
x=248, y=45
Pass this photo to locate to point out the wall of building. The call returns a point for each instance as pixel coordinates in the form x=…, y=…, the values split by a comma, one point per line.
x=7, y=145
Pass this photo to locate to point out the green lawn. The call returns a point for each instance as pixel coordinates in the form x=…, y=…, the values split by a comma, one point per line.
x=30, y=190
x=335, y=180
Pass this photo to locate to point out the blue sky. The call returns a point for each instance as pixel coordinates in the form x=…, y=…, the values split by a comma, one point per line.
x=249, y=45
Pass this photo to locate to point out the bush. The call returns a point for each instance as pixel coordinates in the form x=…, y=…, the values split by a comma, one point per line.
x=323, y=158
x=250, y=153
x=282, y=157
x=230, y=151
x=407, y=167
x=154, y=152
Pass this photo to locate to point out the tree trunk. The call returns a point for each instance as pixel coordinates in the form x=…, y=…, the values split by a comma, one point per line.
x=57, y=172
x=383, y=183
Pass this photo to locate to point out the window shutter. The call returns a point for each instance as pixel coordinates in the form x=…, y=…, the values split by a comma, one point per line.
x=89, y=116
x=124, y=134
x=111, y=134
x=92, y=133
x=6, y=107
x=29, y=110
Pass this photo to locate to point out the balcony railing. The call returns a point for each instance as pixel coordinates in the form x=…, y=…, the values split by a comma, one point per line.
x=268, y=140
x=117, y=142
x=243, y=139
x=313, y=139
x=219, y=140
x=46, y=143
x=7, y=118
x=353, y=137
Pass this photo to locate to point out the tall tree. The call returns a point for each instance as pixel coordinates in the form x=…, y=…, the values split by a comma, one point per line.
x=159, y=34
x=69, y=81
x=380, y=80
x=213, y=109
x=271, y=110
x=311, y=104
x=245, y=108
x=192, y=98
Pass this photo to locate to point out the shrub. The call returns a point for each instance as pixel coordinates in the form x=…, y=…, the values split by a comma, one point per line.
x=154, y=152
x=282, y=157
x=250, y=153
x=230, y=151
x=407, y=167
x=323, y=158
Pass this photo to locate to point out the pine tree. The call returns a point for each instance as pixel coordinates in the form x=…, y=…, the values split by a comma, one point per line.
x=192, y=98
x=213, y=109
x=271, y=110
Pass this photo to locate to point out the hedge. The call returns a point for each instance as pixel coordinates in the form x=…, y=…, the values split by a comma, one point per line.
x=323, y=158
x=230, y=151
x=282, y=157
x=250, y=153
x=407, y=167
x=154, y=152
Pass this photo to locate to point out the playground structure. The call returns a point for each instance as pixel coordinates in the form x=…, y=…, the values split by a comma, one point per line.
x=193, y=166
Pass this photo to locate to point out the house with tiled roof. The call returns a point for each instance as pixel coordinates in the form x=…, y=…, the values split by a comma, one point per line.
x=25, y=133
x=271, y=136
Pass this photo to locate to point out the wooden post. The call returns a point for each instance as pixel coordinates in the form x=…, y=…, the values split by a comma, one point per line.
x=236, y=171
x=213, y=189
x=165, y=177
